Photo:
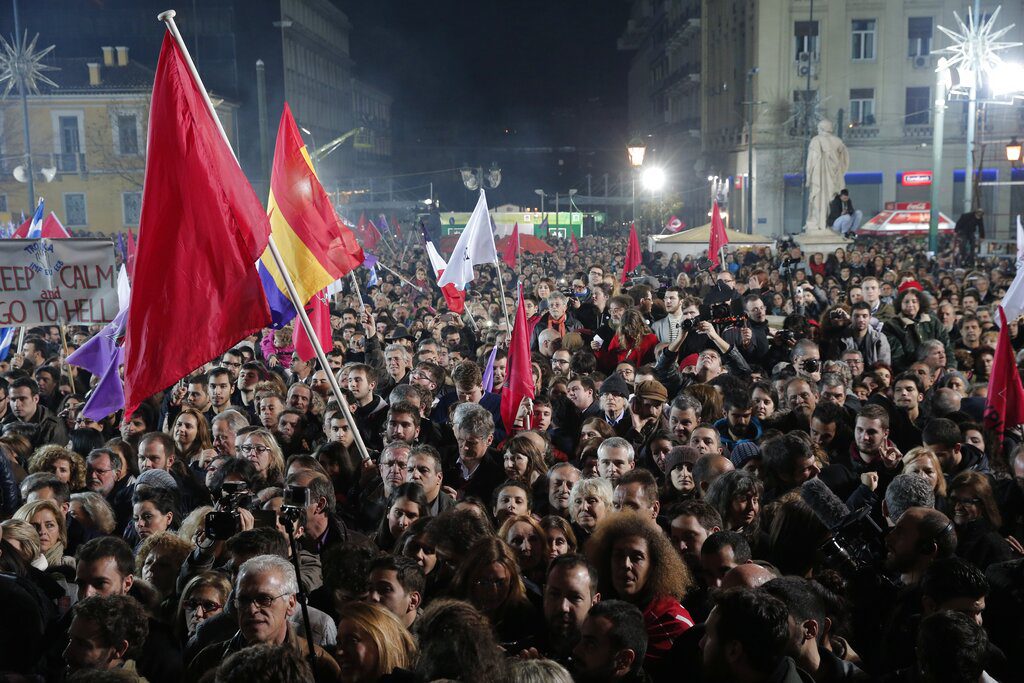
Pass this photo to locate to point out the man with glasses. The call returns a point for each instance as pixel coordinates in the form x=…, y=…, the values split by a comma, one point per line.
x=232, y=361
x=105, y=475
x=391, y=473
x=265, y=600
x=560, y=360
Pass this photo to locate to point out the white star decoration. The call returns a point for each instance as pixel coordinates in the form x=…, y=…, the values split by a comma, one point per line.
x=21, y=58
x=976, y=45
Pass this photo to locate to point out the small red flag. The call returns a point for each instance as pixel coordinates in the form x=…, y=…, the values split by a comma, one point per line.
x=1004, y=406
x=320, y=317
x=196, y=291
x=398, y=228
x=718, y=238
x=132, y=251
x=633, y=256
x=519, y=370
x=511, y=248
x=575, y=245
x=371, y=237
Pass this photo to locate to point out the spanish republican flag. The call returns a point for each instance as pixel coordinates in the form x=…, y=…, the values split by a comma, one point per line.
x=315, y=245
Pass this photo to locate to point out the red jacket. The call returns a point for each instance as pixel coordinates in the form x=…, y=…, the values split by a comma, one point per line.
x=608, y=358
x=665, y=620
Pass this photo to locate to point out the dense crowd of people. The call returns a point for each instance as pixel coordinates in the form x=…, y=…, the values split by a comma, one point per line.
x=776, y=470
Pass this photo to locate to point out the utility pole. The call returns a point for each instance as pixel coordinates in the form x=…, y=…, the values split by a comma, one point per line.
x=972, y=118
x=264, y=122
x=808, y=110
x=750, y=149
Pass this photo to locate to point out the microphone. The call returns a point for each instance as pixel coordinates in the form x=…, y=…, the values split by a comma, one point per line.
x=829, y=508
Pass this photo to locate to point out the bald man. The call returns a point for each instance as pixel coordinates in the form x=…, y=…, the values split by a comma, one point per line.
x=750, y=575
x=708, y=468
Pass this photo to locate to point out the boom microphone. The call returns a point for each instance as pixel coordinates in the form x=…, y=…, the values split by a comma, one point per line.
x=829, y=508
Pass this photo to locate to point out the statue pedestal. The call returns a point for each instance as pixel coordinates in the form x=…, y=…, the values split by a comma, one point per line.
x=824, y=241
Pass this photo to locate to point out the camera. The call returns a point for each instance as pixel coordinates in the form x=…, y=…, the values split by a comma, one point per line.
x=837, y=315
x=296, y=500
x=856, y=548
x=784, y=337
x=223, y=523
x=810, y=365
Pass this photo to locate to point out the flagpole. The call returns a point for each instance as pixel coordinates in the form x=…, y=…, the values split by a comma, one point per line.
x=501, y=285
x=355, y=284
x=64, y=343
x=399, y=276
x=168, y=19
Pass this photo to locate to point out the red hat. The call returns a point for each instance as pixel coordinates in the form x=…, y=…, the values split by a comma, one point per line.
x=910, y=284
x=689, y=361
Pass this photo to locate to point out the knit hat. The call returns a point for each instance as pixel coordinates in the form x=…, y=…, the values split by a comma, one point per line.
x=156, y=479
x=910, y=284
x=652, y=390
x=614, y=384
x=681, y=455
x=744, y=452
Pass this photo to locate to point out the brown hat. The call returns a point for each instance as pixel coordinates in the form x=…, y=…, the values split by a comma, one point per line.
x=680, y=455
x=651, y=390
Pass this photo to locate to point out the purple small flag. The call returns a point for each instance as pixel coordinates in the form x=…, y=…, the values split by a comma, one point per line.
x=122, y=247
x=102, y=356
x=382, y=225
x=489, y=370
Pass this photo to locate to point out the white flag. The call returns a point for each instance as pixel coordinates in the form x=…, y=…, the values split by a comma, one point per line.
x=1020, y=245
x=475, y=247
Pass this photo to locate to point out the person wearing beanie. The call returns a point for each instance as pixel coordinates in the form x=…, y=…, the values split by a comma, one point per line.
x=614, y=396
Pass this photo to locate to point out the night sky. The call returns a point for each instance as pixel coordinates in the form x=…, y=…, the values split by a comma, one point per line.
x=546, y=70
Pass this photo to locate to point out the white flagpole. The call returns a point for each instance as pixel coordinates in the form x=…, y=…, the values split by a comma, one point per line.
x=168, y=19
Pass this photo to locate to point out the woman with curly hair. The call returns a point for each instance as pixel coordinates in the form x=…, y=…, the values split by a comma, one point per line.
x=633, y=342
x=736, y=496
x=158, y=561
x=66, y=465
x=636, y=562
x=912, y=326
x=457, y=643
x=372, y=643
x=489, y=578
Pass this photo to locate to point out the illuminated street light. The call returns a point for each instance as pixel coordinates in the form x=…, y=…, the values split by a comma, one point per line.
x=654, y=178
x=1013, y=151
x=636, y=150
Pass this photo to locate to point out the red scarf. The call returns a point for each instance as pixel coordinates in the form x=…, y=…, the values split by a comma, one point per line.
x=557, y=325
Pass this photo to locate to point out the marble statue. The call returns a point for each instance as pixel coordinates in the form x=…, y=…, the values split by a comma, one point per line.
x=827, y=162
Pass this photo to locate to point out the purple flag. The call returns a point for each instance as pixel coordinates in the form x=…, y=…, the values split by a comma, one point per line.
x=102, y=356
x=382, y=225
x=489, y=370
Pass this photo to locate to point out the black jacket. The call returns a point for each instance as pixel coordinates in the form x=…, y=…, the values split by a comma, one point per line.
x=836, y=208
x=50, y=429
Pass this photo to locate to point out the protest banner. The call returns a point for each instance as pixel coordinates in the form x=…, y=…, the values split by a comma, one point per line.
x=53, y=282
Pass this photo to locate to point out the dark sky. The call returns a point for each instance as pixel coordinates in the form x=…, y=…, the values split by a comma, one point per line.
x=490, y=62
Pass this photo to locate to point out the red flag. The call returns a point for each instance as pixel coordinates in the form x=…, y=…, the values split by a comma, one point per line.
x=633, y=257
x=51, y=228
x=196, y=291
x=132, y=251
x=519, y=370
x=455, y=299
x=718, y=237
x=512, y=248
x=674, y=225
x=398, y=228
x=320, y=317
x=575, y=244
x=371, y=237
x=1004, y=406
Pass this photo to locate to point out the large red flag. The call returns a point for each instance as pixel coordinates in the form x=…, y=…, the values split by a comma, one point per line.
x=320, y=317
x=196, y=291
x=519, y=370
x=633, y=256
x=718, y=238
x=512, y=248
x=1004, y=406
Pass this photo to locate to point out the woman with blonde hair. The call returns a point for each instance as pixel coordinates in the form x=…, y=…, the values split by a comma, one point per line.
x=372, y=643
x=922, y=460
x=48, y=520
x=261, y=449
x=66, y=465
x=23, y=536
x=590, y=501
x=204, y=596
x=93, y=512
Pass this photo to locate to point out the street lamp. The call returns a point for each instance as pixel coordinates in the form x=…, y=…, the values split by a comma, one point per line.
x=654, y=178
x=636, y=149
x=541, y=193
x=1013, y=151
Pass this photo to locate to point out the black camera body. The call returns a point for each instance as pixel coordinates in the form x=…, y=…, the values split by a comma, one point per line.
x=856, y=548
x=223, y=523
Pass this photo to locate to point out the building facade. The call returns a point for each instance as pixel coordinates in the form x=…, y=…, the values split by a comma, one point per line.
x=91, y=134
x=865, y=65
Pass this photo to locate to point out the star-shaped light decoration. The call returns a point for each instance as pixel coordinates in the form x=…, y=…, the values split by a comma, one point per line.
x=976, y=47
x=20, y=59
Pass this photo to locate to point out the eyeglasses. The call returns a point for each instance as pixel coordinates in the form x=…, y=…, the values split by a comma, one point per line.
x=261, y=601
x=252, y=448
x=206, y=605
x=97, y=470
